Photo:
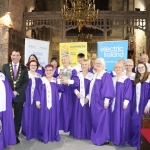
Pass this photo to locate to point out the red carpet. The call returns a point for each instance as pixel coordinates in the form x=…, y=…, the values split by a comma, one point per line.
x=146, y=133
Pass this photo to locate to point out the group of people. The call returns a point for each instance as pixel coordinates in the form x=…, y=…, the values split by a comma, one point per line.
x=85, y=100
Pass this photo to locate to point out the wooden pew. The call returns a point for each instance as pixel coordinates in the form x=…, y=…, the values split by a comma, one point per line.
x=145, y=145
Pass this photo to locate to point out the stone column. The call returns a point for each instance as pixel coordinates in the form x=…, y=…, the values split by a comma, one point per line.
x=148, y=31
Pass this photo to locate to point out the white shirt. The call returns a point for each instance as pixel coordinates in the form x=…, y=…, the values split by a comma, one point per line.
x=16, y=66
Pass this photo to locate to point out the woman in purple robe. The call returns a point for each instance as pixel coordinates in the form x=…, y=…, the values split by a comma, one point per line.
x=30, y=112
x=7, y=129
x=129, y=65
x=40, y=69
x=47, y=101
x=68, y=77
x=120, y=111
x=81, y=118
x=141, y=102
x=55, y=63
x=100, y=97
x=92, y=62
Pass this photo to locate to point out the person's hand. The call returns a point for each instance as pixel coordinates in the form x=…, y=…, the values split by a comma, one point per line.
x=146, y=110
x=106, y=105
x=79, y=95
x=124, y=107
x=59, y=77
x=86, y=100
x=15, y=93
x=38, y=106
x=64, y=81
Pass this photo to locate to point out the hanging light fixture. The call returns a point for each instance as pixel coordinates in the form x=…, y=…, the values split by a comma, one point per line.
x=80, y=12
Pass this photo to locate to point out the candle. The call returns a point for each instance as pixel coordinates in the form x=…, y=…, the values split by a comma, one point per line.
x=94, y=6
x=97, y=11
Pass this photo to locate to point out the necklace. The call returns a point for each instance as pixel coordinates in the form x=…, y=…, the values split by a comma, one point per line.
x=11, y=73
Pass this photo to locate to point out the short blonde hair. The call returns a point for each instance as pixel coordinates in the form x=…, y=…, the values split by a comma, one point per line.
x=119, y=64
x=67, y=56
x=88, y=62
x=129, y=61
x=102, y=61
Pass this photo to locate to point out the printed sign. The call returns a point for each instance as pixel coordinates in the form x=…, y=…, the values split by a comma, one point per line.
x=112, y=51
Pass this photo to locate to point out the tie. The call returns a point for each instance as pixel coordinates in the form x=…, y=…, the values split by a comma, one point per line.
x=15, y=71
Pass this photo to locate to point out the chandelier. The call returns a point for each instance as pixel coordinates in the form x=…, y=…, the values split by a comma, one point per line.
x=80, y=12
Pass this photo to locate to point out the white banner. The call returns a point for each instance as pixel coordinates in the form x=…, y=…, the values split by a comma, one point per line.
x=39, y=48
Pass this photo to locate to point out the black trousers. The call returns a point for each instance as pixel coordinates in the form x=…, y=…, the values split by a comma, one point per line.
x=18, y=107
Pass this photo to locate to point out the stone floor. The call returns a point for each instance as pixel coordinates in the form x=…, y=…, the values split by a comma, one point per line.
x=66, y=143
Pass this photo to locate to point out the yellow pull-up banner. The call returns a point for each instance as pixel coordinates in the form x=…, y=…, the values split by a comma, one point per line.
x=73, y=49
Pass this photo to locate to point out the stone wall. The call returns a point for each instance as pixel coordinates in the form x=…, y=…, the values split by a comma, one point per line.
x=140, y=41
x=3, y=45
x=13, y=20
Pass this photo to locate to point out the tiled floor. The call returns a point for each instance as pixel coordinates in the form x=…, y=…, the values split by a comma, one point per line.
x=66, y=143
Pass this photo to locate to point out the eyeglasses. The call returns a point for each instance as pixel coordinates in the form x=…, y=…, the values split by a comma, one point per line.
x=128, y=65
x=49, y=70
x=33, y=65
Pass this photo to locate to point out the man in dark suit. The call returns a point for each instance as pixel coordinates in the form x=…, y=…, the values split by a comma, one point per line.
x=17, y=75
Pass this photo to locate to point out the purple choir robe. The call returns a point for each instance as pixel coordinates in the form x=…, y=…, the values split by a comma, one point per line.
x=7, y=129
x=120, y=118
x=92, y=71
x=30, y=113
x=48, y=123
x=132, y=78
x=102, y=88
x=66, y=102
x=81, y=116
x=143, y=93
x=41, y=71
x=113, y=74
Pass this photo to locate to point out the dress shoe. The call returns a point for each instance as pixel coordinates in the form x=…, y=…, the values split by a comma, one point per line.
x=17, y=141
x=106, y=143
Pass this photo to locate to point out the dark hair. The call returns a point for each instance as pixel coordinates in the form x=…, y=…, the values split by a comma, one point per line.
x=54, y=58
x=16, y=50
x=28, y=64
x=138, y=75
x=48, y=65
x=81, y=55
x=38, y=64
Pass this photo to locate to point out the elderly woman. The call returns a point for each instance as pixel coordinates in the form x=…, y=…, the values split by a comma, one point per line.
x=100, y=97
x=68, y=77
x=120, y=113
x=129, y=64
x=81, y=119
x=30, y=112
x=141, y=102
x=40, y=69
x=7, y=129
x=113, y=73
x=47, y=101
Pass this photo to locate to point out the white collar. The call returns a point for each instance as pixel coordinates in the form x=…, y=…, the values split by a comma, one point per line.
x=2, y=76
x=44, y=80
x=122, y=79
x=89, y=75
x=37, y=75
x=100, y=74
x=15, y=64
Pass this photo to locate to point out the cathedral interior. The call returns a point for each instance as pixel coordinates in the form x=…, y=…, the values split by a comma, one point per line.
x=42, y=20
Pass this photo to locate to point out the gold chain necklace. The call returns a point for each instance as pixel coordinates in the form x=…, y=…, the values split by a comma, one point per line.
x=11, y=73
